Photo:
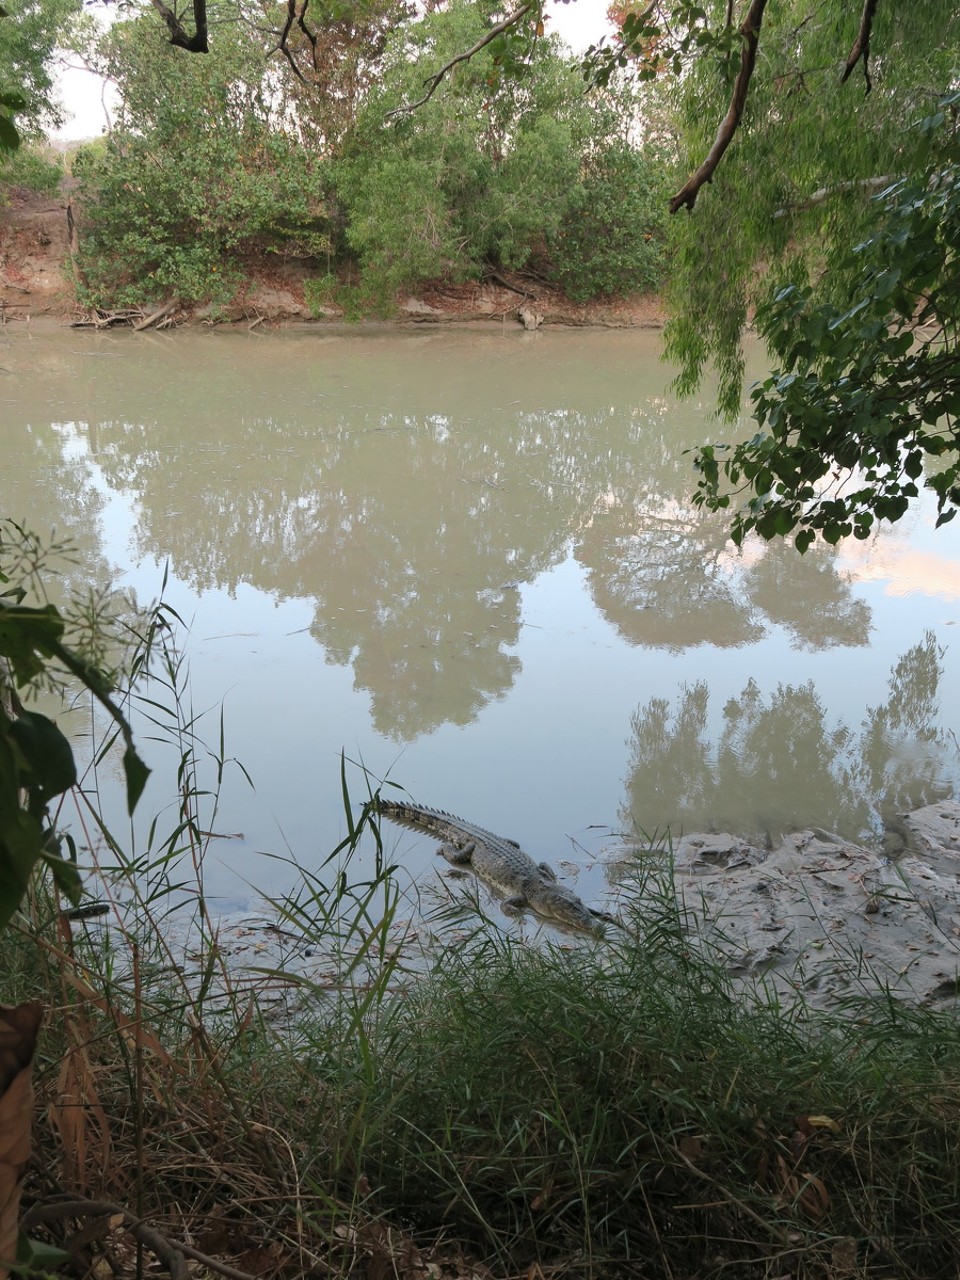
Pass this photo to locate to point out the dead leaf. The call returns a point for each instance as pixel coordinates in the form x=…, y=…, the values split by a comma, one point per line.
x=19, y=1028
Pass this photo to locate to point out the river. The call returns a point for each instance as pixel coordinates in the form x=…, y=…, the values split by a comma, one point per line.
x=467, y=559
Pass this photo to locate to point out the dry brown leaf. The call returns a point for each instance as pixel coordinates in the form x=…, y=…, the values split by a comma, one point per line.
x=19, y=1027
x=814, y=1199
x=80, y=1118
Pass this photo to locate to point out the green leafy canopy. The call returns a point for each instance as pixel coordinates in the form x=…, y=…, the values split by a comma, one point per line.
x=866, y=396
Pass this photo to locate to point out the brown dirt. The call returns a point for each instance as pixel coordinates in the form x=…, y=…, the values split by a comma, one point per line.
x=36, y=280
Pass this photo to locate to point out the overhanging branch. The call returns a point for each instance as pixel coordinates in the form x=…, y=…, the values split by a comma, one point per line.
x=823, y=194
x=433, y=82
x=861, y=46
x=750, y=33
x=196, y=43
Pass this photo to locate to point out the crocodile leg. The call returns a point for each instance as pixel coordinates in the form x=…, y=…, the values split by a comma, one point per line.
x=514, y=904
x=459, y=854
x=548, y=871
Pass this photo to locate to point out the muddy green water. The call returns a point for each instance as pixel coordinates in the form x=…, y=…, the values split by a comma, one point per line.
x=468, y=560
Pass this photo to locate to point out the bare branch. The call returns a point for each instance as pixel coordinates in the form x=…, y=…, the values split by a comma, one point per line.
x=433, y=82
x=861, y=46
x=750, y=32
x=311, y=35
x=196, y=43
x=281, y=45
x=823, y=194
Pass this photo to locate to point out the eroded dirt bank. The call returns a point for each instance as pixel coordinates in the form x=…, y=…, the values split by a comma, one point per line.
x=37, y=235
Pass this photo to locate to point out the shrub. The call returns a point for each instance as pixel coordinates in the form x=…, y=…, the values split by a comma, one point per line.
x=611, y=239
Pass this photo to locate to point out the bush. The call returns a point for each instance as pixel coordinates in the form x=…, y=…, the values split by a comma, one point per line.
x=197, y=175
x=34, y=168
x=611, y=238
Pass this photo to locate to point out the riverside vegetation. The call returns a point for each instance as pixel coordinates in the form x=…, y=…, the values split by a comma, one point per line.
x=215, y=162
x=614, y=1108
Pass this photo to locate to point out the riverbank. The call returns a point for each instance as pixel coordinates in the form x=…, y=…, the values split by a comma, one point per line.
x=616, y=1110
x=37, y=236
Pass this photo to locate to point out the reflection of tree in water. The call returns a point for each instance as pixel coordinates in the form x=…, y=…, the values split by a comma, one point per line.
x=49, y=489
x=405, y=538
x=778, y=763
x=805, y=595
x=401, y=486
x=665, y=575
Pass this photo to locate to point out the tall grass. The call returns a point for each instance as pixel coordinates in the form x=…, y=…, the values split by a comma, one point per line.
x=617, y=1111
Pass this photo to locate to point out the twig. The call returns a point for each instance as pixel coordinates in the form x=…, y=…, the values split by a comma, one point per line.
x=750, y=31
x=172, y=1254
x=861, y=46
x=433, y=82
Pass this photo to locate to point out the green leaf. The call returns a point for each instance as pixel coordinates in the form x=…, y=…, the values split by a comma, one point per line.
x=136, y=773
x=9, y=137
x=47, y=753
x=27, y=636
x=37, y=1255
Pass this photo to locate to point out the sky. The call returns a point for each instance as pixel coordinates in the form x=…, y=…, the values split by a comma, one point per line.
x=88, y=100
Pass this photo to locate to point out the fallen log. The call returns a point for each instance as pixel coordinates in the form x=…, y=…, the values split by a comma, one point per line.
x=155, y=317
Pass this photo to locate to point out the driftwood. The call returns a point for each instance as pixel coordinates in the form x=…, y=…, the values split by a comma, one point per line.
x=97, y=318
x=157, y=316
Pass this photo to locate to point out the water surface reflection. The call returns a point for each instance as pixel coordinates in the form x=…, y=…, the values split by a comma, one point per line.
x=490, y=538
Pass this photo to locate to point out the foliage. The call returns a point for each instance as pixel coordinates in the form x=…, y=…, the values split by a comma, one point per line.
x=542, y=1105
x=336, y=69
x=32, y=168
x=610, y=240
x=196, y=174
x=799, y=170
x=36, y=760
x=867, y=394
x=28, y=42
x=492, y=170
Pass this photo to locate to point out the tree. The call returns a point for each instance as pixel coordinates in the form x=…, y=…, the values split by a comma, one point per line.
x=841, y=189
x=27, y=45
x=198, y=171
x=867, y=395
x=495, y=169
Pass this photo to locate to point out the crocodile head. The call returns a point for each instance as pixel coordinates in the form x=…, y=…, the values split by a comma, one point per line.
x=558, y=903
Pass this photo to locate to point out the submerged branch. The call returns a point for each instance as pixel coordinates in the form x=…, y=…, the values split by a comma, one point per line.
x=750, y=31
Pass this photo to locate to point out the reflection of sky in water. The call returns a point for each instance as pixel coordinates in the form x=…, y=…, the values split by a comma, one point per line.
x=604, y=624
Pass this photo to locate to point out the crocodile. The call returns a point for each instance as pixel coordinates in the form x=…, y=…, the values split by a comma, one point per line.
x=512, y=874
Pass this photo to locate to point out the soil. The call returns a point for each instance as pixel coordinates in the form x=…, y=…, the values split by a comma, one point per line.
x=37, y=237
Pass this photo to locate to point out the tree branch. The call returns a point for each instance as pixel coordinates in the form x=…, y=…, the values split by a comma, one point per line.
x=823, y=194
x=750, y=31
x=861, y=46
x=433, y=82
x=171, y=1253
x=197, y=43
